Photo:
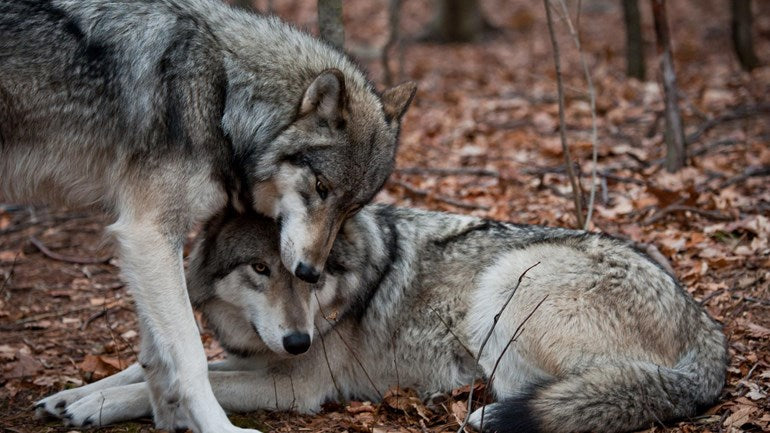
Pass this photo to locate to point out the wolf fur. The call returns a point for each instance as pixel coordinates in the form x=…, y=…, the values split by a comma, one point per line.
x=407, y=298
x=162, y=112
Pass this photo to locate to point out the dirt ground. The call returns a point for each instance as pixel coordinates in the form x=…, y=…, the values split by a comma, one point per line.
x=486, y=113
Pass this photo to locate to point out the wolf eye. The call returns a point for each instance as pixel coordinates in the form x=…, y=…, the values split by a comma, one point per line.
x=321, y=189
x=261, y=269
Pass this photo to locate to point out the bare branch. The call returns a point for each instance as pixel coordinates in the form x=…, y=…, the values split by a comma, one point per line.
x=516, y=333
x=69, y=259
x=738, y=113
x=486, y=339
x=576, y=196
x=448, y=200
x=461, y=171
x=347, y=346
x=592, y=97
x=674, y=208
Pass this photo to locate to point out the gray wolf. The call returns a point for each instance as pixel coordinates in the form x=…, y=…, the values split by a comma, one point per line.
x=407, y=298
x=161, y=113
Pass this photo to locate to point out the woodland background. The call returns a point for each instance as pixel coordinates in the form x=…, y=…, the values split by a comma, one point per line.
x=482, y=137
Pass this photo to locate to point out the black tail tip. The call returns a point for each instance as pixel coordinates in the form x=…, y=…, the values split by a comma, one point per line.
x=510, y=415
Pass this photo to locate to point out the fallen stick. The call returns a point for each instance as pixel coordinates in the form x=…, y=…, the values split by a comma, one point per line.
x=63, y=258
x=462, y=171
x=674, y=208
x=448, y=200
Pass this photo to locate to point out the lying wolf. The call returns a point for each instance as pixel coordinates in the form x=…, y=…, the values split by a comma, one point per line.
x=613, y=342
x=162, y=112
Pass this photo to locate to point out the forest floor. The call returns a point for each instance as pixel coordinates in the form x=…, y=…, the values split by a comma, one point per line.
x=486, y=113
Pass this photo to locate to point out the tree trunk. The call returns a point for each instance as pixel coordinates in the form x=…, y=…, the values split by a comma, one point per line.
x=634, y=43
x=674, y=135
x=330, y=22
x=394, y=40
x=456, y=21
x=741, y=34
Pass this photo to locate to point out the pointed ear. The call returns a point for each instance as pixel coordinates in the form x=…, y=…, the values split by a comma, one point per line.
x=325, y=95
x=396, y=100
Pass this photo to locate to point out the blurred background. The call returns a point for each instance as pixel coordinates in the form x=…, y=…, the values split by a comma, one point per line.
x=483, y=137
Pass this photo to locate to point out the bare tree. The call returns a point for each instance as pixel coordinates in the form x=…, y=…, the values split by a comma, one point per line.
x=330, y=22
x=741, y=34
x=457, y=21
x=674, y=135
x=634, y=43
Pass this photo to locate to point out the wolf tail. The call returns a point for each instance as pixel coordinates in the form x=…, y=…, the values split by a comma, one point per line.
x=616, y=397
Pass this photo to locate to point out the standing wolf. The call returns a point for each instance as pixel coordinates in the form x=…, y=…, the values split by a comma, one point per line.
x=161, y=112
x=407, y=298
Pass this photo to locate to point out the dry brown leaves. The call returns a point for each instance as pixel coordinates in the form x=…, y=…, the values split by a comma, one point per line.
x=486, y=113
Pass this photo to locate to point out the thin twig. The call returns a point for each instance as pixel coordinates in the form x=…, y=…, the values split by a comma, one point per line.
x=749, y=172
x=99, y=314
x=751, y=299
x=328, y=364
x=486, y=339
x=592, y=98
x=63, y=258
x=448, y=200
x=350, y=350
x=576, y=196
x=674, y=208
x=516, y=334
x=461, y=171
x=738, y=113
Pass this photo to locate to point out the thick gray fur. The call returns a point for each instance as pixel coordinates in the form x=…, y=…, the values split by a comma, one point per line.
x=407, y=298
x=162, y=113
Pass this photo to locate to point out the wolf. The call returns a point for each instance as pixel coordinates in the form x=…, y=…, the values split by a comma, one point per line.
x=596, y=336
x=162, y=113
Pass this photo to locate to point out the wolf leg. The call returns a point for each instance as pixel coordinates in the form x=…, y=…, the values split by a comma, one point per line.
x=172, y=354
x=236, y=391
x=58, y=403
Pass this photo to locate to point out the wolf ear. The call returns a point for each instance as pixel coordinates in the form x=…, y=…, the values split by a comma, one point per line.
x=325, y=95
x=396, y=100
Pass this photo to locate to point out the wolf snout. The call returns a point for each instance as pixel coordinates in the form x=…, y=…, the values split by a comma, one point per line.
x=296, y=343
x=307, y=273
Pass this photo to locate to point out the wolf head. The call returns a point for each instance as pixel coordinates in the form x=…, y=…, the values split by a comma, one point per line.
x=331, y=159
x=251, y=301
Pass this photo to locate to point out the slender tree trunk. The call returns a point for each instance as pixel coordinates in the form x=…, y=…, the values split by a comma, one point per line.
x=330, y=22
x=634, y=43
x=674, y=135
x=741, y=34
x=457, y=21
x=394, y=40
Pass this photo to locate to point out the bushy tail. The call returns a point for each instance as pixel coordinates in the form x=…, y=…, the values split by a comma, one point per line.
x=617, y=397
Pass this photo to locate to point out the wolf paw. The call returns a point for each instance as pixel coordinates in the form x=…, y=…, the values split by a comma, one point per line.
x=56, y=404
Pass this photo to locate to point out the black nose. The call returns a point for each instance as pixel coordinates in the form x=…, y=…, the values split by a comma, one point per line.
x=307, y=273
x=296, y=343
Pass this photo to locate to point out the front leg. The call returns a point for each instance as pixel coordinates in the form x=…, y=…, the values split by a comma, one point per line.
x=236, y=391
x=172, y=355
x=58, y=403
